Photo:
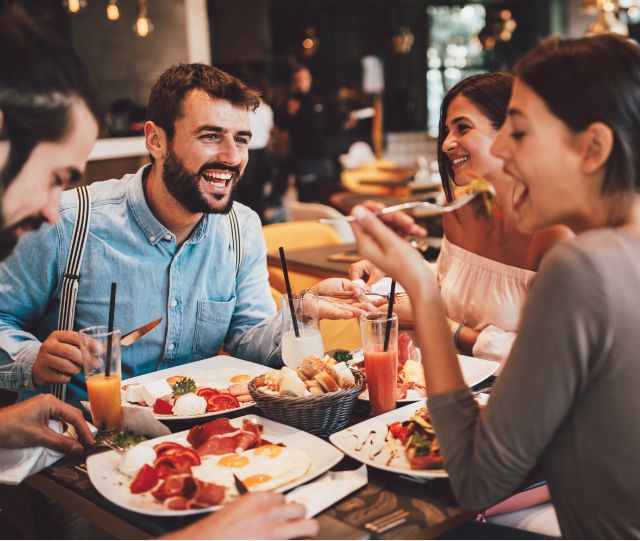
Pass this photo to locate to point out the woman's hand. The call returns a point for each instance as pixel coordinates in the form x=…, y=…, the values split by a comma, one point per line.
x=393, y=255
x=365, y=270
x=349, y=301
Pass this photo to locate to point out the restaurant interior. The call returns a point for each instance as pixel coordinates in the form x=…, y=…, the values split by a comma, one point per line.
x=343, y=428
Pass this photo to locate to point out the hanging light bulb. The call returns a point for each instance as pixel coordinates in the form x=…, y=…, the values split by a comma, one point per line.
x=143, y=26
x=113, y=11
x=74, y=6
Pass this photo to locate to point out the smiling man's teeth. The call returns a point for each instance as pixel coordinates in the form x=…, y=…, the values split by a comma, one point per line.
x=460, y=160
x=218, y=180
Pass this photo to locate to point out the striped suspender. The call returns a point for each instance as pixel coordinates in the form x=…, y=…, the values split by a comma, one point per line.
x=71, y=276
x=234, y=227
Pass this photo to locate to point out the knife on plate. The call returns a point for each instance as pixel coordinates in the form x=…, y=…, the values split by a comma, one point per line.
x=131, y=337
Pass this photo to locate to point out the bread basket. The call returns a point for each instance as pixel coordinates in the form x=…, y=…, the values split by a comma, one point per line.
x=320, y=415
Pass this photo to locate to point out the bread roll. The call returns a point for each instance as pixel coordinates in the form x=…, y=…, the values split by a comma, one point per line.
x=344, y=376
x=314, y=388
x=311, y=365
x=291, y=384
x=326, y=381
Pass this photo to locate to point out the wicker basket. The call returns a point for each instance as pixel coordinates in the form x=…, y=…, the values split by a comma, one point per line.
x=319, y=415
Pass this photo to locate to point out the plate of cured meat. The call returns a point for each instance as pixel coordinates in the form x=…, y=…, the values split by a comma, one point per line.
x=410, y=385
x=198, y=390
x=193, y=471
x=400, y=441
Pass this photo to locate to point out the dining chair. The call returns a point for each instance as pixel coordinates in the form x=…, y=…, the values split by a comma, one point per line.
x=314, y=211
x=297, y=236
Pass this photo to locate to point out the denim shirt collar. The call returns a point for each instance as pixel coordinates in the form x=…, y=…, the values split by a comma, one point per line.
x=150, y=225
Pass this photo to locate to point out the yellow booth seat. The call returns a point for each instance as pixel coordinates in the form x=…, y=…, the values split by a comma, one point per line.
x=297, y=236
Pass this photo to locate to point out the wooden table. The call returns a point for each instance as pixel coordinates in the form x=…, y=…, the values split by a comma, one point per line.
x=314, y=261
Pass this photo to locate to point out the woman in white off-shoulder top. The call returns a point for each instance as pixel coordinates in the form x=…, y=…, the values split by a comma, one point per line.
x=486, y=264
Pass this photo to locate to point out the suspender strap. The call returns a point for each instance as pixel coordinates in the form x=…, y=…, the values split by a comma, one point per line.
x=236, y=246
x=71, y=277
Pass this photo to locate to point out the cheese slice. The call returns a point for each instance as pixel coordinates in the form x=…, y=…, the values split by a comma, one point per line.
x=133, y=393
x=154, y=390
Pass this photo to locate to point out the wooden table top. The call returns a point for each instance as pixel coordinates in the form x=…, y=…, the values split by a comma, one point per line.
x=315, y=261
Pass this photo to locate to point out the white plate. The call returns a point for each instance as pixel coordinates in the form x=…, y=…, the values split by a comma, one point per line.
x=474, y=371
x=349, y=439
x=114, y=485
x=220, y=367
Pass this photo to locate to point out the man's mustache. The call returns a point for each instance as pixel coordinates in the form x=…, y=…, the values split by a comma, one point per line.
x=220, y=166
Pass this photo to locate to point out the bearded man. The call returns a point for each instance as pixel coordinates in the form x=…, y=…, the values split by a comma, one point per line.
x=164, y=236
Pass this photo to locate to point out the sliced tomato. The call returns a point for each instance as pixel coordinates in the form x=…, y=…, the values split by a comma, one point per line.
x=162, y=407
x=206, y=392
x=146, y=479
x=222, y=401
x=167, y=465
x=163, y=447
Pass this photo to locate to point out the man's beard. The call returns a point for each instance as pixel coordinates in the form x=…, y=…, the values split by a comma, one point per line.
x=9, y=236
x=185, y=186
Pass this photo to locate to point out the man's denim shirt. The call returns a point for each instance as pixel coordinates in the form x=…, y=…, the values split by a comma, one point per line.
x=193, y=288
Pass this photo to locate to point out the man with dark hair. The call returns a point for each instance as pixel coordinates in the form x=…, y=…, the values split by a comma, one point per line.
x=47, y=129
x=166, y=236
x=47, y=125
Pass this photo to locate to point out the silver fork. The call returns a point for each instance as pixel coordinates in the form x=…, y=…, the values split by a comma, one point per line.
x=461, y=201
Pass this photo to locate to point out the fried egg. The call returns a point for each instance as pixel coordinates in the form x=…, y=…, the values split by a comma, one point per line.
x=262, y=469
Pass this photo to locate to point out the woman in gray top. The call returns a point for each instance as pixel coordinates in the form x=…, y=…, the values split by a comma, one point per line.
x=567, y=398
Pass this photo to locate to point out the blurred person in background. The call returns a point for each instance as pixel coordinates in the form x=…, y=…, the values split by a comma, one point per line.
x=305, y=118
x=258, y=171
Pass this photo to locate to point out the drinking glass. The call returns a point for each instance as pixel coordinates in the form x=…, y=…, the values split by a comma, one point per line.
x=309, y=341
x=380, y=366
x=97, y=345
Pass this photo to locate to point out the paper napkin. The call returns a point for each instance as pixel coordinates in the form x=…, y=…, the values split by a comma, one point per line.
x=18, y=464
x=317, y=495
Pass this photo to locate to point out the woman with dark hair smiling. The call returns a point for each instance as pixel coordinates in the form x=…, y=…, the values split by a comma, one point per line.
x=486, y=264
x=567, y=398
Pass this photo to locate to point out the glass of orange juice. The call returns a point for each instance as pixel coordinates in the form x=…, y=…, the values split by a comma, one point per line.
x=100, y=349
x=381, y=366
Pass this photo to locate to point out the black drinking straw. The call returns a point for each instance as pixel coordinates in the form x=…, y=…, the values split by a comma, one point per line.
x=112, y=309
x=387, y=329
x=287, y=284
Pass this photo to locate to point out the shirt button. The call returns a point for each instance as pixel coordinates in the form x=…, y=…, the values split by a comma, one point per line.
x=152, y=238
x=167, y=236
x=174, y=303
x=171, y=346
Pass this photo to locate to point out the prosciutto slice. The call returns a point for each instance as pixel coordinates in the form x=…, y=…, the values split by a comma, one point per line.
x=219, y=437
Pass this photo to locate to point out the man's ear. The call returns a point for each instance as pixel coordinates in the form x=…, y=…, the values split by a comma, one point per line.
x=1, y=120
x=598, y=145
x=155, y=139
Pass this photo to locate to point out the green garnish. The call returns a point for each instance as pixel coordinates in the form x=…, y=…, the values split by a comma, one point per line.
x=127, y=438
x=184, y=386
x=342, y=356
